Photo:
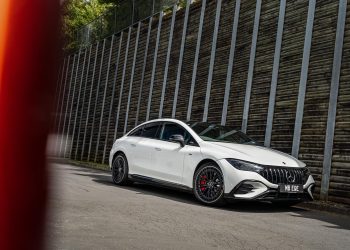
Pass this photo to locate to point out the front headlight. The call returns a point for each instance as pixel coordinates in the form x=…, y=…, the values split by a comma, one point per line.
x=245, y=166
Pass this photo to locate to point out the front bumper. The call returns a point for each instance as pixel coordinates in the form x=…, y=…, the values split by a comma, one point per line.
x=262, y=193
x=246, y=185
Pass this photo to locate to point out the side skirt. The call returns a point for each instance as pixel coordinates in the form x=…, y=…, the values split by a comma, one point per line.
x=157, y=182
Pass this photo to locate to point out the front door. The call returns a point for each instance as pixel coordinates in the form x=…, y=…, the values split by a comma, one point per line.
x=169, y=156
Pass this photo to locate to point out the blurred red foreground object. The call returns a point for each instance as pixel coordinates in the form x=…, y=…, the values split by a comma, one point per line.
x=29, y=46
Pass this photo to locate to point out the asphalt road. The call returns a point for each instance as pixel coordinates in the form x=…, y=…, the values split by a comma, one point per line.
x=89, y=212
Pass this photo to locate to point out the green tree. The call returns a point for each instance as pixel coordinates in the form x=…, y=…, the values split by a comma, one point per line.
x=78, y=13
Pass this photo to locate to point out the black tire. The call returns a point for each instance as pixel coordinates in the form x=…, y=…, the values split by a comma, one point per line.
x=120, y=169
x=208, y=185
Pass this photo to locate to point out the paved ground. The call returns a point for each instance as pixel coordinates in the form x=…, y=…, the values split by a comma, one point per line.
x=89, y=212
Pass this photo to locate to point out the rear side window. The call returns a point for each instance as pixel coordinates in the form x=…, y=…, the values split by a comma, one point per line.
x=151, y=130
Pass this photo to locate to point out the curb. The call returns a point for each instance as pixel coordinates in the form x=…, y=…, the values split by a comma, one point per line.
x=83, y=164
x=326, y=206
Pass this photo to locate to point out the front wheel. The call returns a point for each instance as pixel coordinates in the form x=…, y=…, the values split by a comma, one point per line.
x=120, y=170
x=208, y=183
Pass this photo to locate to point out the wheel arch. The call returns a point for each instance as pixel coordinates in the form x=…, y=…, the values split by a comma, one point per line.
x=204, y=161
x=115, y=155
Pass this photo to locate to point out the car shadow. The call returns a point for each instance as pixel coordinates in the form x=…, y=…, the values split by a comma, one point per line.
x=335, y=220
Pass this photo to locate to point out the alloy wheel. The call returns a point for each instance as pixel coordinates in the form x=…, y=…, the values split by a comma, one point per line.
x=209, y=184
x=118, y=169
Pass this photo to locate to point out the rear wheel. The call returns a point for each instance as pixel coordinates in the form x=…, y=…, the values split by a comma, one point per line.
x=208, y=183
x=120, y=169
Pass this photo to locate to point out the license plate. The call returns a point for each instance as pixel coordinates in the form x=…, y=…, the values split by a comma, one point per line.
x=290, y=188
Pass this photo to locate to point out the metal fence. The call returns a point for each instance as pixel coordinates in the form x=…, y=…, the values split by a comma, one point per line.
x=116, y=19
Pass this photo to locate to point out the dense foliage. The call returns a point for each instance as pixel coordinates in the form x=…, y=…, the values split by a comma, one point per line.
x=78, y=13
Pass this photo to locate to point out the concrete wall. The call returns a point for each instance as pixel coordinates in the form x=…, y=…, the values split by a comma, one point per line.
x=294, y=47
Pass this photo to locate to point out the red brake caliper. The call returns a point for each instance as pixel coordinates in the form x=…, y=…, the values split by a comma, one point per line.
x=202, y=182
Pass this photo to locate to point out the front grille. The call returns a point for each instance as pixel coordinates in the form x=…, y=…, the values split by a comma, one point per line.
x=280, y=175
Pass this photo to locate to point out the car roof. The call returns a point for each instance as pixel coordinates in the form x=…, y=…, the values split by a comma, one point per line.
x=182, y=123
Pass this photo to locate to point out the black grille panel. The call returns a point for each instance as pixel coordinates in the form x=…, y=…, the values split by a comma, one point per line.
x=279, y=175
x=274, y=195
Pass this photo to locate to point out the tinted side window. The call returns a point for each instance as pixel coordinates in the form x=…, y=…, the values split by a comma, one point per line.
x=151, y=130
x=174, y=129
x=136, y=132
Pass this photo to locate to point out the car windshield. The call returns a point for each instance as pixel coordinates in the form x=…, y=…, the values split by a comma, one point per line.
x=219, y=133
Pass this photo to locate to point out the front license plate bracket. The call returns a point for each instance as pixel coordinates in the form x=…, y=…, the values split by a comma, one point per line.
x=290, y=188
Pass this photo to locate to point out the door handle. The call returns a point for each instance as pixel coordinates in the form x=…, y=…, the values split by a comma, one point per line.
x=158, y=149
x=133, y=145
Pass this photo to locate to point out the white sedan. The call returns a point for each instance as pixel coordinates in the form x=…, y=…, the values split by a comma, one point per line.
x=215, y=162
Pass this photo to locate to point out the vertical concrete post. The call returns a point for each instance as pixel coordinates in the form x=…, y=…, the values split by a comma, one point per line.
x=78, y=102
x=165, y=78
x=58, y=91
x=251, y=66
x=154, y=65
x=333, y=99
x=81, y=114
x=196, y=58
x=303, y=78
x=96, y=99
x=274, y=78
x=230, y=62
x=58, y=142
x=104, y=97
x=112, y=98
x=132, y=76
x=67, y=104
x=71, y=105
x=89, y=103
x=122, y=85
x=182, y=49
x=212, y=60
x=143, y=71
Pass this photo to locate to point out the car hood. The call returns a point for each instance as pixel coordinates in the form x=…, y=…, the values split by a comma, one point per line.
x=257, y=154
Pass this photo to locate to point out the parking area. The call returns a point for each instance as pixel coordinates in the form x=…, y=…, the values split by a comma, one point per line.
x=87, y=211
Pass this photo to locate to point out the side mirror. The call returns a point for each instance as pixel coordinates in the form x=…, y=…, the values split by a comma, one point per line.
x=178, y=138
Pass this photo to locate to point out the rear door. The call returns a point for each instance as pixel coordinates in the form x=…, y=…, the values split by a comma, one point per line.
x=143, y=162
x=131, y=146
